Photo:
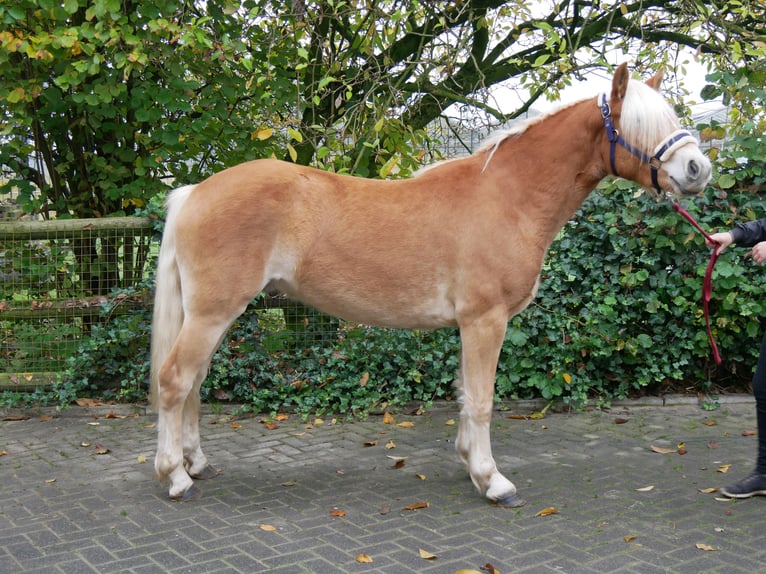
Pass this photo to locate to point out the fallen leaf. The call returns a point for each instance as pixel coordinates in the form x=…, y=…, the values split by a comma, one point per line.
x=268, y=528
x=629, y=538
x=364, y=558
x=287, y=484
x=406, y=424
x=663, y=450
x=547, y=511
x=417, y=506
x=518, y=417
x=710, y=423
x=46, y=418
x=710, y=490
x=421, y=476
x=449, y=422
x=318, y=422
x=268, y=426
x=390, y=445
x=3, y=452
x=101, y=449
x=645, y=489
x=85, y=444
x=489, y=569
x=113, y=415
x=724, y=468
x=399, y=464
x=706, y=547
x=337, y=513
x=50, y=481
x=83, y=402
x=370, y=443
x=141, y=458
x=388, y=418
x=749, y=433
x=282, y=417
x=364, y=379
x=15, y=418
x=620, y=421
x=93, y=424
x=426, y=555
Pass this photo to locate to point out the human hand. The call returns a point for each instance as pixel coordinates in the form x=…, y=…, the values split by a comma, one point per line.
x=759, y=252
x=722, y=239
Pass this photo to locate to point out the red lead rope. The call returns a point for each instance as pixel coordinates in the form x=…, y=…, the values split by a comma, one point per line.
x=707, y=283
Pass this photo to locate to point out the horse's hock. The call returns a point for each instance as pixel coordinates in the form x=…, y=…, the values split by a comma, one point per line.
x=56, y=279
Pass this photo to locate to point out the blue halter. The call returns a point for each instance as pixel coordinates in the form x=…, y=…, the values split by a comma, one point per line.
x=661, y=153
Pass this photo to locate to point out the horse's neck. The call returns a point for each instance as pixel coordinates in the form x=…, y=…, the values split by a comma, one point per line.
x=547, y=171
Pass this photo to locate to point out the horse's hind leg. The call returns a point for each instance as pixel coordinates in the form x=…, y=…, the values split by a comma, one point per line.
x=481, y=340
x=178, y=449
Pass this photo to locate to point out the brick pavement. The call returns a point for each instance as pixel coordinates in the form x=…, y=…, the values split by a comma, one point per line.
x=66, y=509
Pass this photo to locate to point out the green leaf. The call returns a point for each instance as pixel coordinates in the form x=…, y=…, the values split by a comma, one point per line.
x=293, y=153
x=71, y=6
x=726, y=181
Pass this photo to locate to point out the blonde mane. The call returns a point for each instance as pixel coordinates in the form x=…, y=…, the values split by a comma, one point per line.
x=646, y=117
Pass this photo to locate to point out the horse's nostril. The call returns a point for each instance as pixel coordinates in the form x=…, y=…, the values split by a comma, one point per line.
x=694, y=169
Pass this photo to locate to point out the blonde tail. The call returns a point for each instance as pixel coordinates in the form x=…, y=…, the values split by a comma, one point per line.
x=168, y=310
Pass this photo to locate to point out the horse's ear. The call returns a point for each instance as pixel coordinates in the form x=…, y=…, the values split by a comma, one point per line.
x=656, y=80
x=620, y=82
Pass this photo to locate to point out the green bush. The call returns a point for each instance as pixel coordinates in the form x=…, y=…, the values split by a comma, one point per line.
x=618, y=313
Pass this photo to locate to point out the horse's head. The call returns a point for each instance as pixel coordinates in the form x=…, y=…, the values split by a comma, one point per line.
x=645, y=141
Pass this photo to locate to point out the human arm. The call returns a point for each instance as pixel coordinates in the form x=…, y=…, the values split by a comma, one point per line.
x=746, y=234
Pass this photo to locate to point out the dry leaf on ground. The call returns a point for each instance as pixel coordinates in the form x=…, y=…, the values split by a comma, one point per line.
x=706, y=547
x=663, y=450
x=547, y=511
x=364, y=558
x=417, y=506
x=426, y=555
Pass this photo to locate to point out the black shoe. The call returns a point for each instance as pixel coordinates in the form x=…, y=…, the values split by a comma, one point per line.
x=753, y=485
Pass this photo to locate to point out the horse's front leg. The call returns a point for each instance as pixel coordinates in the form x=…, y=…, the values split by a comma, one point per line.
x=194, y=459
x=481, y=340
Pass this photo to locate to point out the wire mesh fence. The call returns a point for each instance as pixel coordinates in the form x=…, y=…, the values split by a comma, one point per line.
x=56, y=277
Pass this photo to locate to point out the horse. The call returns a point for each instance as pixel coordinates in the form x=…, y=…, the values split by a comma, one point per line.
x=459, y=244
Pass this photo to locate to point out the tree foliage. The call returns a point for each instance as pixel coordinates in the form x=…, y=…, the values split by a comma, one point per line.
x=105, y=102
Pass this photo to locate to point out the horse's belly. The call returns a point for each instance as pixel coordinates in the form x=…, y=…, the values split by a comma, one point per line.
x=383, y=304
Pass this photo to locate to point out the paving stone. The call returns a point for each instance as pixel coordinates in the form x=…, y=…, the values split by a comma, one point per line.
x=66, y=509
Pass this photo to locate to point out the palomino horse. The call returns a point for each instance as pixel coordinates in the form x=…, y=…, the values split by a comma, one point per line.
x=460, y=244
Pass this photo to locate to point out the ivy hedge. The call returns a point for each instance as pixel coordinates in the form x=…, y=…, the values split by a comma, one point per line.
x=618, y=313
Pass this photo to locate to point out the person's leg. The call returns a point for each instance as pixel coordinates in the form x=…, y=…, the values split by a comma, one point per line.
x=755, y=483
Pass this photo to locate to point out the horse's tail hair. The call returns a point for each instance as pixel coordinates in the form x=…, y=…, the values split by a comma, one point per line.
x=168, y=309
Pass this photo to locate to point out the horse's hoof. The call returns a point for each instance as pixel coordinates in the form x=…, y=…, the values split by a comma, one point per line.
x=511, y=500
x=191, y=493
x=207, y=473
